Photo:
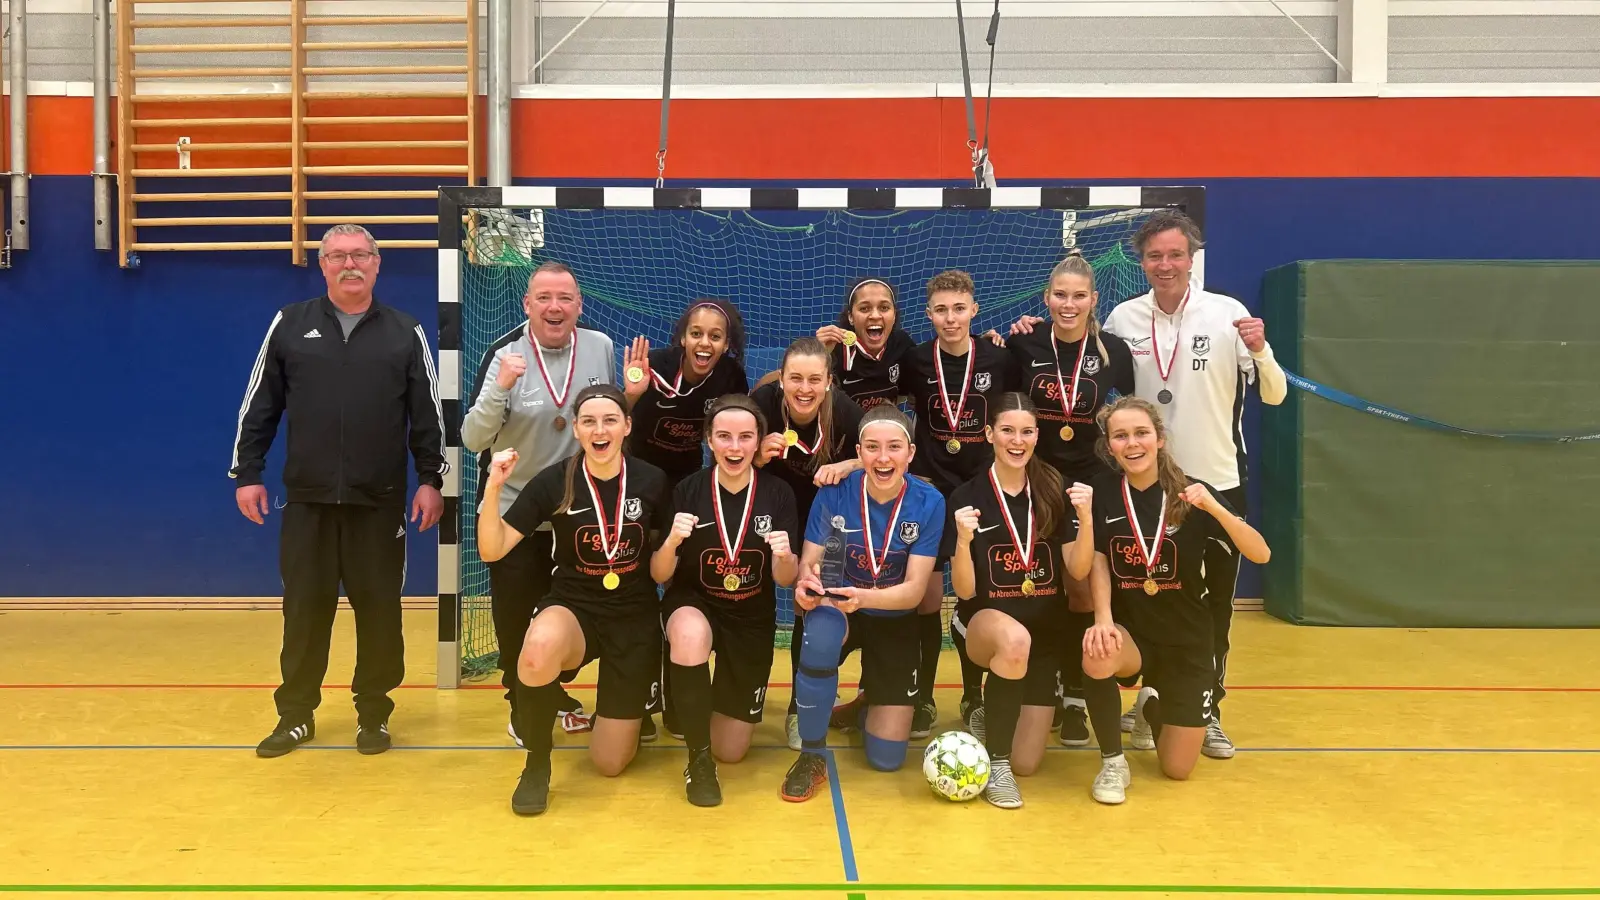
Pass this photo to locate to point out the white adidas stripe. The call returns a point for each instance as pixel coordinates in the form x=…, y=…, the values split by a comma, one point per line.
x=251, y=388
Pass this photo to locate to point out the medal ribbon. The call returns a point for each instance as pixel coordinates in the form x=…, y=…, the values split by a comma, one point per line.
x=572, y=365
x=815, y=445
x=966, y=384
x=1069, y=403
x=730, y=550
x=850, y=351
x=1155, y=345
x=1011, y=525
x=675, y=389
x=607, y=546
x=874, y=561
x=1151, y=555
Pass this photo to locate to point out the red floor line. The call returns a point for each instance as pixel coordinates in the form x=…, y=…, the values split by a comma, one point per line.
x=495, y=686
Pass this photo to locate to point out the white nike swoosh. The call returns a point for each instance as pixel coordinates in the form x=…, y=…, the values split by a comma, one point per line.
x=705, y=525
x=1040, y=364
x=933, y=381
x=573, y=512
x=853, y=380
x=1117, y=519
x=531, y=391
x=990, y=528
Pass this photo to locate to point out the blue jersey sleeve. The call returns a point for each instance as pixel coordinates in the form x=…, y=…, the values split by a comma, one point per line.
x=930, y=535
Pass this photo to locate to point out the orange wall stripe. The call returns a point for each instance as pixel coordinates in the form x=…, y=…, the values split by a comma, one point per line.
x=925, y=138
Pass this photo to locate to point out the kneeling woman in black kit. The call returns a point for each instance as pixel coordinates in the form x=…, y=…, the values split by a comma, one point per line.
x=607, y=511
x=730, y=544
x=1152, y=525
x=1012, y=543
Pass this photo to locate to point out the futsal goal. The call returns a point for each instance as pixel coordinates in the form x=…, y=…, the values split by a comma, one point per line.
x=783, y=255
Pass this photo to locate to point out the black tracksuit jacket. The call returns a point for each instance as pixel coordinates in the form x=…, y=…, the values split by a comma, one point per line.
x=354, y=406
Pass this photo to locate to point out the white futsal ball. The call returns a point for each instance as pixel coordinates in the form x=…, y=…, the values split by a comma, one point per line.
x=956, y=766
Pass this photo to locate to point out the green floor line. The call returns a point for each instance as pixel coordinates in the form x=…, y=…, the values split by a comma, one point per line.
x=852, y=889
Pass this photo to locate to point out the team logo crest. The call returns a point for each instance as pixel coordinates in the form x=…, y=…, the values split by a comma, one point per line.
x=1201, y=345
x=982, y=382
x=763, y=525
x=909, y=532
x=709, y=401
x=594, y=379
x=894, y=372
x=1091, y=365
x=633, y=509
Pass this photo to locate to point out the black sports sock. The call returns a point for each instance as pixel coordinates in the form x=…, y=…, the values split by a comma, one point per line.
x=971, y=681
x=1105, y=713
x=1002, y=705
x=691, y=703
x=794, y=659
x=537, y=706
x=1152, y=714
x=930, y=633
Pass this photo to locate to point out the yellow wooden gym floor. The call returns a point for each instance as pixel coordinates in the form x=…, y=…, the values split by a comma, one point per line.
x=1380, y=762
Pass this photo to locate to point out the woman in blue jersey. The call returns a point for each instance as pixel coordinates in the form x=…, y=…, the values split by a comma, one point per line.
x=870, y=545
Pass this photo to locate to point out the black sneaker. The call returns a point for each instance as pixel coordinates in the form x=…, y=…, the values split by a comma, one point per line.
x=700, y=780
x=1074, y=728
x=808, y=773
x=373, y=739
x=922, y=721
x=647, y=730
x=532, y=795
x=284, y=738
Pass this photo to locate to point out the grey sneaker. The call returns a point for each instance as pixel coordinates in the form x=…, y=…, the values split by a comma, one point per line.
x=1217, y=745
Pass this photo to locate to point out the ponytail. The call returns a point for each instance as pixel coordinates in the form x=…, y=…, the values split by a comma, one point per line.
x=1076, y=264
x=1173, y=481
x=1049, y=494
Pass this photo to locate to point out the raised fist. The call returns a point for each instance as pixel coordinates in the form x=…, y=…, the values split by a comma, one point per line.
x=512, y=365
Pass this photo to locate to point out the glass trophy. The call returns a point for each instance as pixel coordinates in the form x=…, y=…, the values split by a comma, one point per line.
x=833, y=559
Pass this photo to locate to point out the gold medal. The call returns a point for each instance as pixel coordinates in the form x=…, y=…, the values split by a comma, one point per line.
x=635, y=374
x=953, y=446
x=611, y=581
x=790, y=437
x=849, y=338
x=1150, y=586
x=1066, y=432
x=1028, y=586
x=730, y=583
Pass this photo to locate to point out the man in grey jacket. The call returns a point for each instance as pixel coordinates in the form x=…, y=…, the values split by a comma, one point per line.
x=521, y=399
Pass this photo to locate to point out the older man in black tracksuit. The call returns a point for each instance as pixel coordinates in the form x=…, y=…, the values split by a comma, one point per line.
x=358, y=382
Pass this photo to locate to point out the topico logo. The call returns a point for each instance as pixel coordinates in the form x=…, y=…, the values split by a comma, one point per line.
x=982, y=382
x=633, y=509
x=763, y=525
x=1091, y=365
x=1201, y=345
x=894, y=372
x=909, y=532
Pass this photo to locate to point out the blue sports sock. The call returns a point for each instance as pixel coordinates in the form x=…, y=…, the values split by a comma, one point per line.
x=883, y=754
x=816, y=680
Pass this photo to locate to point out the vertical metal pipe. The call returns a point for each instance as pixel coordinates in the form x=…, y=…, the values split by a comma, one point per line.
x=102, y=125
x=19, y=125
x=499, y=89
x=537, y=26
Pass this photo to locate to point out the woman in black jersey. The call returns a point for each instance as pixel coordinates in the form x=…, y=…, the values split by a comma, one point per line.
x=953, y=380
x=811, y=441
x=1151, y=526
x=1010, y=542
x=868, y=344
x=607, y=511
x=729, y=546
x=1069, y=371
x=670, y=388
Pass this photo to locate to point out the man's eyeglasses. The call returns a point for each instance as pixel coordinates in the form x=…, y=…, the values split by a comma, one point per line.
x=362, y=257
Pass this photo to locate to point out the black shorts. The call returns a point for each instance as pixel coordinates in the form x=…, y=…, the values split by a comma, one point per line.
x=742, y=643
x=1042, y=685
x=890, y=654
x=1182, y=676
x=628, y=645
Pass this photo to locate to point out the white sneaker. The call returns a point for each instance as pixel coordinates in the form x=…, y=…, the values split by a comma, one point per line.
x=511, y=729
x=791, y=725
x=1217, y=745
x=1127, y=721
x=1111, y=785
x=1141, y=736
x=1002, y=787
x=975, y=725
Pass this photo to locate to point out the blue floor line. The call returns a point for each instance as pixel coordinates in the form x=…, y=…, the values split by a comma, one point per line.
x=841, y=821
